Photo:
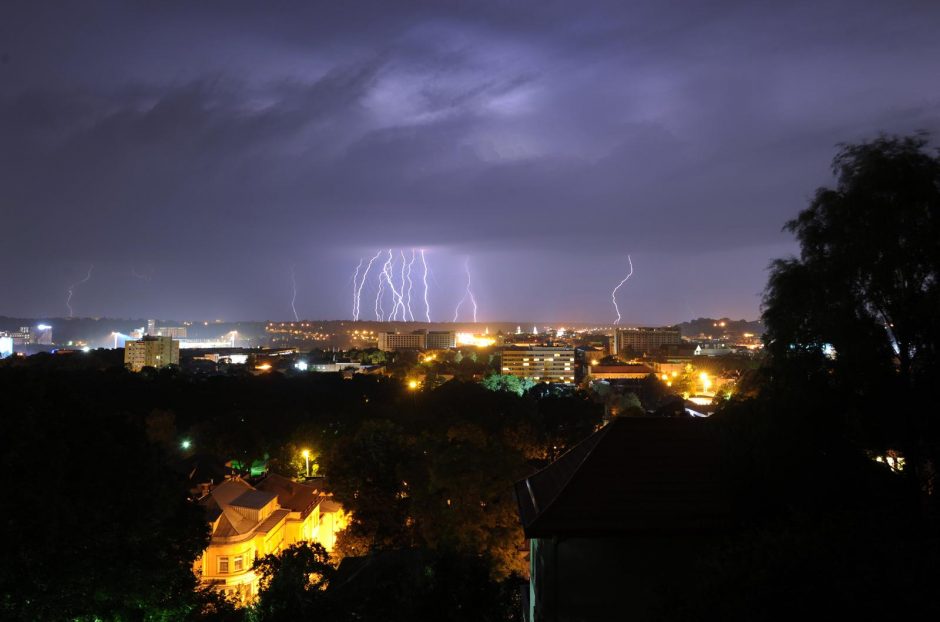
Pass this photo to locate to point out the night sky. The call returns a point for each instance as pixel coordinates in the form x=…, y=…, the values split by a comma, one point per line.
x=194, y=151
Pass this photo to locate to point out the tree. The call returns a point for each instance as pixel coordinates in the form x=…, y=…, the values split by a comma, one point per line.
x=102, y=527
x=500, y=382
x=859, y=305
x=293, y=583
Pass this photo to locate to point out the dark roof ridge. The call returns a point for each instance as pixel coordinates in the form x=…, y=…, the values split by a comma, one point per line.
x=586, y=446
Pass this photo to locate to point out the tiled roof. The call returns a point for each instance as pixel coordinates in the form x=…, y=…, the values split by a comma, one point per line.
x=290, y=494
x=253, y=499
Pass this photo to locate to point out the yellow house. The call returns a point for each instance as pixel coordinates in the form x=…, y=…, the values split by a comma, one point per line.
x=249, y=522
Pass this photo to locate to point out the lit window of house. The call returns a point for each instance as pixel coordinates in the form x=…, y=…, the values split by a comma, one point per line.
x=223, y=565
x=238, y=564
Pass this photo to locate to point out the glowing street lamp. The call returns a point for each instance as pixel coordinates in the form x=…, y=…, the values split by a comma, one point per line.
x=706, y=382
x=412, y=384
x=186, y=444
x=306, y=455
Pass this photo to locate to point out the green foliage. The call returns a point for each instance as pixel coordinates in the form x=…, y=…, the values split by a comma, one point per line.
x=500, y=382
x=293, y=584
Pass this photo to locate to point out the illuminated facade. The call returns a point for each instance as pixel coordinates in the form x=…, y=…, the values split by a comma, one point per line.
x=151, y=351
x=250, y=522
x=540, y=363
x=417, y=340
x=645, y=339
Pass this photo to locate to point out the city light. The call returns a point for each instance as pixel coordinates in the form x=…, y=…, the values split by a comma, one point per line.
x=306, y=454
x=706, y=381
x=469, y=339
x=412, y=384
x=185, y=444
x=301, y=365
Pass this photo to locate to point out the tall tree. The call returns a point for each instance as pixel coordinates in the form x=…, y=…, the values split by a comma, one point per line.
x=867, y=285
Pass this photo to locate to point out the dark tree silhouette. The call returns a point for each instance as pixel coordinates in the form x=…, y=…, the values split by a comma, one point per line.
x=867, y=284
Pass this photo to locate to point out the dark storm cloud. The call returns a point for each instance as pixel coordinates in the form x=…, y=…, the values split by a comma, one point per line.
x=206, y=137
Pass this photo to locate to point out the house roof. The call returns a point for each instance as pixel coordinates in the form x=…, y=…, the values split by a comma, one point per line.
x=253, y=499
x=293, y=495
x=634, y=475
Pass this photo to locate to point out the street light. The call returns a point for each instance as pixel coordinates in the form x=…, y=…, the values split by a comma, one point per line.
x=412, y=384
x=706, y=383
x=306, y=455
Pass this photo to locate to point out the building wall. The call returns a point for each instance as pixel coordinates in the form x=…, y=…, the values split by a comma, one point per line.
x=315, y=527
x=402, y=341
x=540, y=363
x=441, y=340
x=646, y=339
x=151, y=352
x=616, y=578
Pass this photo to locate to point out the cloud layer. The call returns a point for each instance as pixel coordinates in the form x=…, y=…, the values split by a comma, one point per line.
x=217, y=143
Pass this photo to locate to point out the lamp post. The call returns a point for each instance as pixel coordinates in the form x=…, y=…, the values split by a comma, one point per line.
x=306, y=455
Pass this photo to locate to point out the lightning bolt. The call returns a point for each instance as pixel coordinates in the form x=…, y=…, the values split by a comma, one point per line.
x=388, y=270
x=407, y=313
x=467, y=293
x=355, y=310
x=386, y=277
x=362, y=282
x=411, y=284
x=401, y=289
x=427, y=307
x=293, y=299
x=138, y=275
x=613, y=294
x=73, y=286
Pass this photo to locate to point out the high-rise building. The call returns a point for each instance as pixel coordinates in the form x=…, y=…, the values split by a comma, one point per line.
x=402, y=341
x=417, y=340
x=645, y=340
x=151, y=351
x=441, y=340
x=151, y=327
x=540, y=363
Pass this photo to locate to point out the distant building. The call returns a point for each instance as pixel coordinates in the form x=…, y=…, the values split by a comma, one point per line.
x=6, y=346
x=43, y=335
x=151, y=351
x=713, y=349
x=645, y=340
x=417, y=340
x=540, y=363
x=402, y=341
x=248, y=522
x=440, y=340
x=176, y=332
x=151, y=327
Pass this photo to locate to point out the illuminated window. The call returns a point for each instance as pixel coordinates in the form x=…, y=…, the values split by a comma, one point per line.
x=223, y=565
x=525, y=364
x=238, y=564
